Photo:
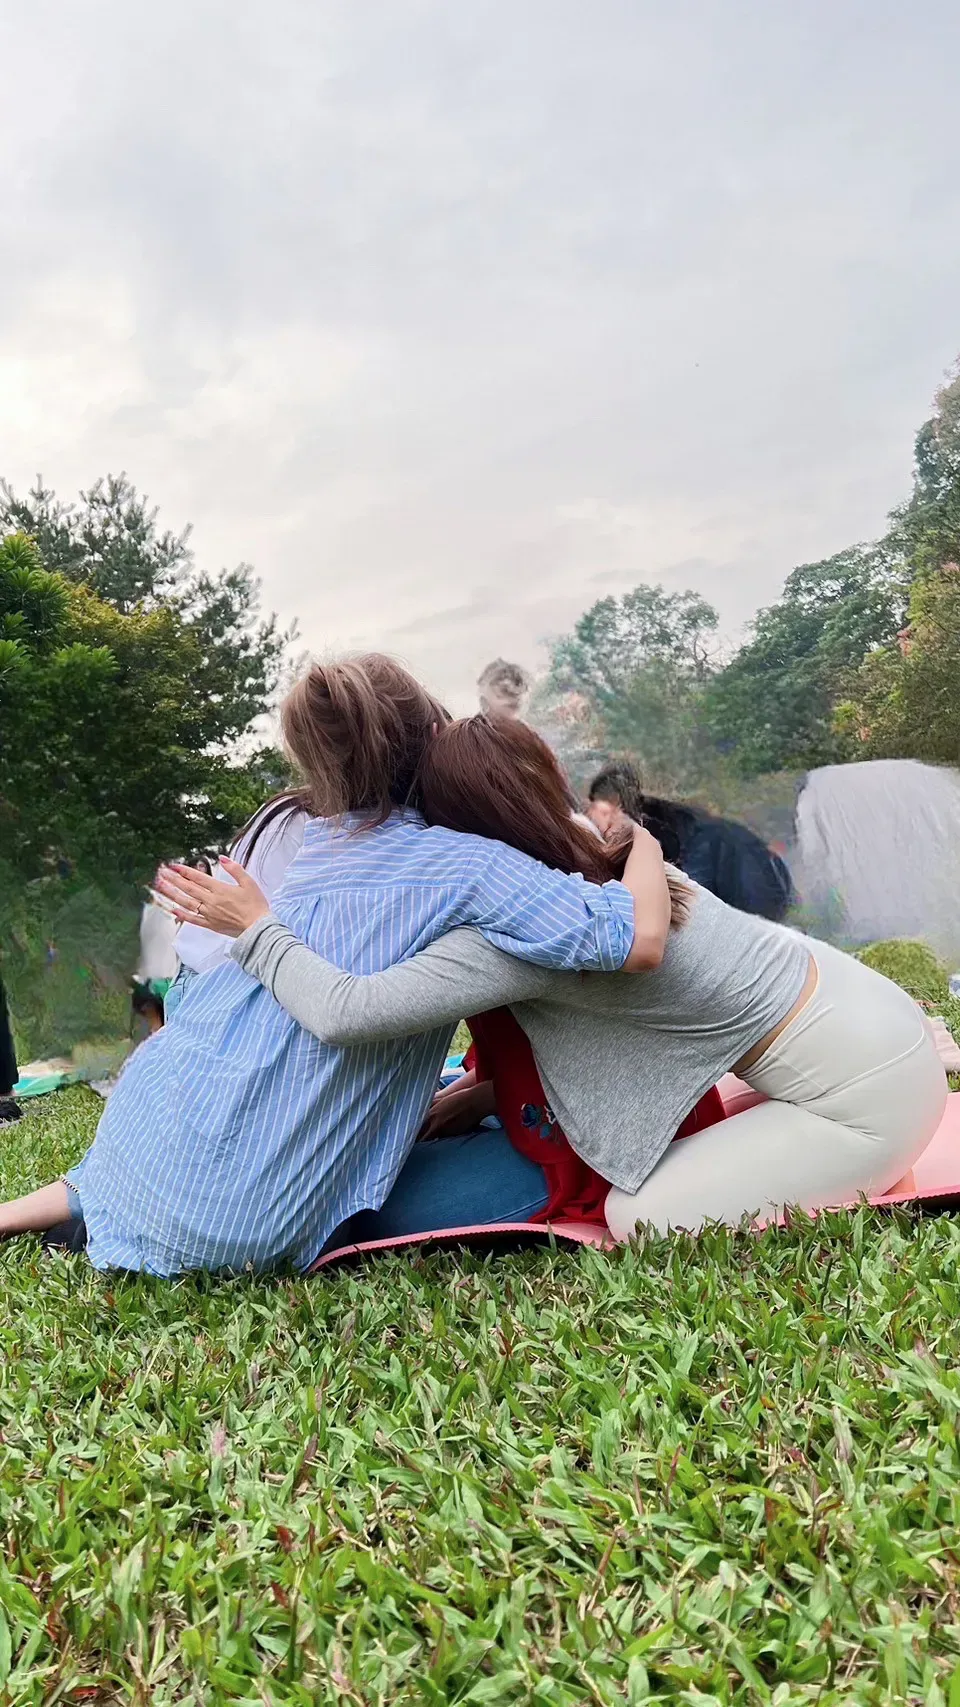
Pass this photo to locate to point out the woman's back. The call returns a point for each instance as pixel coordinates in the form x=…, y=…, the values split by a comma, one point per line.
x=659, y=1040
x=235, y=1136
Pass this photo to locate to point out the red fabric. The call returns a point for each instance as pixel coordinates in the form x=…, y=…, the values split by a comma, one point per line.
x=705, y=1113
x=502, y=1054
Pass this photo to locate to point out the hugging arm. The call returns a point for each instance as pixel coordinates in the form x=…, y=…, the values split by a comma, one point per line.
x=558, y=919
x=544, y=917
x=458, y=974
x=646, y=880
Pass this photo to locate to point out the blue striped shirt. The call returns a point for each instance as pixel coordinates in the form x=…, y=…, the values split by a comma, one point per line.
x=234, y=1138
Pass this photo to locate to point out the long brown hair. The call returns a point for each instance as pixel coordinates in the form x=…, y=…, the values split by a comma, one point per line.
x=357, y=729
x=495, y=777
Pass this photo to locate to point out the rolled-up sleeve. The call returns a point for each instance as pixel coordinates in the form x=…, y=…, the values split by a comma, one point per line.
x=551, y=918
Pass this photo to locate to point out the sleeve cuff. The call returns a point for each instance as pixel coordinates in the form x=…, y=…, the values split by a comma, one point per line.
x=617, y=941
x=243, y=949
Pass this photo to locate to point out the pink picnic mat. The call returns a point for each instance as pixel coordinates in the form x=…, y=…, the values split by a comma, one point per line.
x=501, y=1235
x=934, y=1181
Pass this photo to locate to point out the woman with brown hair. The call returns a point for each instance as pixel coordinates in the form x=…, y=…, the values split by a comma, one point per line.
x=854, y=1086
x=234, y=1138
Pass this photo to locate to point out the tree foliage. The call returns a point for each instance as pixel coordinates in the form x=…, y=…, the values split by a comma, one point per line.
x=772, y=707
x=618, y=637
x=106, y=756
x=827, y=672
x=640, y=662
x=109, y=542
x=127, y=680
x=903, y=702
x=926, y=530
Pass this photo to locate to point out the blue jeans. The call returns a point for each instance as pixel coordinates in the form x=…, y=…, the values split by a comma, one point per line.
x=453, y=1182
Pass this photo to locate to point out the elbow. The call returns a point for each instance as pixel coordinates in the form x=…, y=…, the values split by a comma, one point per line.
x=333, y=1033
x=342, y=1036
x=646, y=954
x=353, y=1033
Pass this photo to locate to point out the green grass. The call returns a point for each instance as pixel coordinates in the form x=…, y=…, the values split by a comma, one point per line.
x=917, y=968
x=697, y=1471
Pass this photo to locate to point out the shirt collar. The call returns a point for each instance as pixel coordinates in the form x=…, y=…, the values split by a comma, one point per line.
x=334, y=829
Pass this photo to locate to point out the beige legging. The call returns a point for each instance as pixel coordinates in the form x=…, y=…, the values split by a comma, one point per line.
x=856, y=1093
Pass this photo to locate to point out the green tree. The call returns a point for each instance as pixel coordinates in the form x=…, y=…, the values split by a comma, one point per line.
x=772, y=707
x=54, y=685
x=903, y=701
x=640, y=663
x=128, y=679
x=618, y=637
x=106, y=760
x=109, y=542
x=926, y=530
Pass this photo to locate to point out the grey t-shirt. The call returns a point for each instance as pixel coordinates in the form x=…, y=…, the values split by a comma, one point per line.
x=623, y=1056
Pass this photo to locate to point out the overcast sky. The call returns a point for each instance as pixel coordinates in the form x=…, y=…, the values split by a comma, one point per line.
x=454, y=317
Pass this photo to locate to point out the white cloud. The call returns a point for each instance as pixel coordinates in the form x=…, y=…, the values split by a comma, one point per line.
x=453, y=319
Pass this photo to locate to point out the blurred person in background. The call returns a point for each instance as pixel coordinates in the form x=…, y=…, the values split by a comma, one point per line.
x=157, y=966
x=503, y=689
x=9, y=1108
x=725, y=857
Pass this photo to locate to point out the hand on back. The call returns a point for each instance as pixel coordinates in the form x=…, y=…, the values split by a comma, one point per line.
x=227, y=908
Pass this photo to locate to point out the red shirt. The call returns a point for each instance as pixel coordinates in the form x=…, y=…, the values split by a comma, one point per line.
x=501, y=1053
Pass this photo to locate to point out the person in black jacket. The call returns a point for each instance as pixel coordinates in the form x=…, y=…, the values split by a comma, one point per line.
x=9, y=1109
x=721, y=855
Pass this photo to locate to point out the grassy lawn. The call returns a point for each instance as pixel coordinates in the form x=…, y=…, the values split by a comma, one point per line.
x=722, y=1470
